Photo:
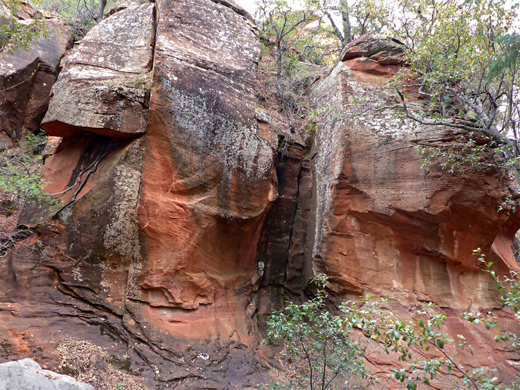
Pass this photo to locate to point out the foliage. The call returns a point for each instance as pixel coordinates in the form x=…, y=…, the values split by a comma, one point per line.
x=20, y=174
x=81, y=15
x=298, y=37
x=15, y=33
x=466, y=153
x=508, y=286
x=319, y=352
x=464, y=61
x=422, y=345
x=357, y=17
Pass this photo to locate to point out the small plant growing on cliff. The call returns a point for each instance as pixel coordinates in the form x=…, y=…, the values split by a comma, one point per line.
x=467, y=153
x=21, y=172
x=319, y=352
x=319, y=344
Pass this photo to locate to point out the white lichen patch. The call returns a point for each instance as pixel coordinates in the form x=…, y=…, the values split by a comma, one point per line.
x=121, y=234
x=215, y=133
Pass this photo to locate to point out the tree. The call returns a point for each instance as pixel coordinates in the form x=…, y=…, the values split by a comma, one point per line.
x=81, y=15
x=356, y=18
x=319, y=352
x=455, y=58
x=100, y=10
x=284, y=26
x=463, y=59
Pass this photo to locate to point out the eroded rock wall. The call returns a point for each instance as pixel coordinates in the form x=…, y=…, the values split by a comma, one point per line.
x=184, y=221
x=383, y=224
x=164, y=179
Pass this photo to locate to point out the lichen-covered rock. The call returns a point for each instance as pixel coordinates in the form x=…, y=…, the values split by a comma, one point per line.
x=182, y=226
x=384, y=50
x=26, y=79
x=105, y=85
x=207, y=184
x=26, y=374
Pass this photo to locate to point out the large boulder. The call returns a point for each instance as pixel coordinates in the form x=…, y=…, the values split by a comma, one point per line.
x=26, y=374
x=105, y=85
x=152, y=252
x=374, y=55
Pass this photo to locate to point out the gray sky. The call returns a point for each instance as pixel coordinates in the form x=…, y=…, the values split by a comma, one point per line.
x=248, y=5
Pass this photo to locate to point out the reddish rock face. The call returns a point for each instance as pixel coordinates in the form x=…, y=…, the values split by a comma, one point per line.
x=26, y=79
x=208, y=177
x=177, y=234
x=159, y=232
x=383, y=225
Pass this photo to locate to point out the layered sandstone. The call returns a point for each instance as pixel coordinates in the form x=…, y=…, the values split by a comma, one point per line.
x=105, y=85
x=165, y=179
x=383, y=224
x=184, y=221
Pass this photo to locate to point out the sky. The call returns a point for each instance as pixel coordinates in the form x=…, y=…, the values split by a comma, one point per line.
x=248, y=5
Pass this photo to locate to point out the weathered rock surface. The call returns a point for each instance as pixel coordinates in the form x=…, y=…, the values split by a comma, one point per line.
x=207, y=183
x=105, y=85
x=26, y=374
x=153, y=251
x=383, y=50
x=383, y=225
x=26, y=79
x=184, y=222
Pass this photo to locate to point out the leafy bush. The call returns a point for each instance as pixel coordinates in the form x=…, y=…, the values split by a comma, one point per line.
x=21, y=172
x=319, y=352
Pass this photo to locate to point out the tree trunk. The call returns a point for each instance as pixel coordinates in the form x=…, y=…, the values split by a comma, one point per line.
x=347, y=27
x=345, y=22
x=279, y=58
x=101, y=9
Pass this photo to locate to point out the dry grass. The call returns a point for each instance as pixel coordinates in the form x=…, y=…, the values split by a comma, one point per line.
x=91, y=364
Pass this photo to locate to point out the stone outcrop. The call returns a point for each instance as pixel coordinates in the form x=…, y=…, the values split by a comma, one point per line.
x=374, y=55
x=26, y=374
x=185, y=219
x=383, y=224
x=26, y=79
x=105, y=85
x=164, y=189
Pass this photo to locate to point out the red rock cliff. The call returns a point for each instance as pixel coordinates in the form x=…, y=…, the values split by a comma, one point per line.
x=179, y=228
x=384, y=225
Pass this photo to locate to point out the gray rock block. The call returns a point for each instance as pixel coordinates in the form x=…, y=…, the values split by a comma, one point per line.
x=27, y=375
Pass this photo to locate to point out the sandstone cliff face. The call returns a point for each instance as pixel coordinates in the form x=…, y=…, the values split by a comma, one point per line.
x=181, y=226
x=382, y=224
x=157, y=232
